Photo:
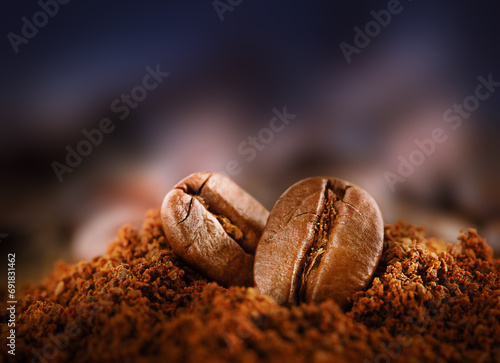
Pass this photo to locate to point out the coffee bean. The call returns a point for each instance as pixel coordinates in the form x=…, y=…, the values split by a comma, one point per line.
x=323, y=239
x=214, y=226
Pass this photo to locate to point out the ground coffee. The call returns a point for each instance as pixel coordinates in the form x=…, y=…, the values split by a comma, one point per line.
x=429, y=301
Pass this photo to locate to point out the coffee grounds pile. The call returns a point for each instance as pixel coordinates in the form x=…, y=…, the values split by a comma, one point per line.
x=429, y=301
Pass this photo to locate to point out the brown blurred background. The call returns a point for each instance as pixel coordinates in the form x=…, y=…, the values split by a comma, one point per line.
x=353, y=120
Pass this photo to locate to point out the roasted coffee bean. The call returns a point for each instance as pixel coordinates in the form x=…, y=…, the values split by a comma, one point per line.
x=214, y=226
x=323, y=239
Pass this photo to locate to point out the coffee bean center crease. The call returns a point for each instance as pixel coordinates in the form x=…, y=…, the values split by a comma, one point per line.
x=322, y=229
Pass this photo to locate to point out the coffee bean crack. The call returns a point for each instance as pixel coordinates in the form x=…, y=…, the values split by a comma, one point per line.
x=231, y=229
x=194, y=193
x=320, y=241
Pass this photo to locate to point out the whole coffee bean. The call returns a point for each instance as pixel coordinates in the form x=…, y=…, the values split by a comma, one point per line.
x=214, y=226
x=323, y=239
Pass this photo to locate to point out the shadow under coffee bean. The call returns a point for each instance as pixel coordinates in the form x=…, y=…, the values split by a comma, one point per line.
x=323, y=239
x=214, y=226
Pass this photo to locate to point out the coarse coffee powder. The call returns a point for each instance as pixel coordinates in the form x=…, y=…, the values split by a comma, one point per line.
x=429, y=301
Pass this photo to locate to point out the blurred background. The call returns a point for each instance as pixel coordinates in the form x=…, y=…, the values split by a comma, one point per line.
x=353, y=120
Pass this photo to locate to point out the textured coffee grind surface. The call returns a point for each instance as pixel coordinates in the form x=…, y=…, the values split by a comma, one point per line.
x=429, y=301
